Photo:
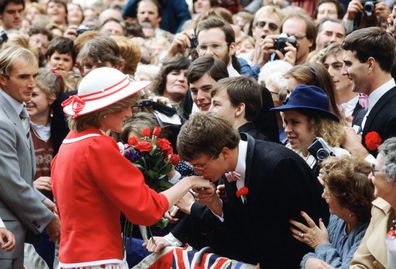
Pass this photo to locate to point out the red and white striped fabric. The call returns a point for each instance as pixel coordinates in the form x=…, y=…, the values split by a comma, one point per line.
x=188, y=258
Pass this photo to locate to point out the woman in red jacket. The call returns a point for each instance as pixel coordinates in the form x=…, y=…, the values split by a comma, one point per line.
x=92, y=182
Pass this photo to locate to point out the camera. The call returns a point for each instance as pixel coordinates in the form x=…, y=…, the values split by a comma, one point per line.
x=164, y=109
x=82, y=29
x=194, y=42
x=320, y=150
x=368, y=7
x=280, y=44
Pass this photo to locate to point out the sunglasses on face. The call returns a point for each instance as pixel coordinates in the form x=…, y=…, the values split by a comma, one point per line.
x=272, y=26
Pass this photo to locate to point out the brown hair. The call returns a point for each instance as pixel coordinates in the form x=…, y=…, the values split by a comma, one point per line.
x=130, y=52
x=175, y=63
x=346, y=178
x=100, y=50
x=242, y=90
x=372, y=42
x=200, y=135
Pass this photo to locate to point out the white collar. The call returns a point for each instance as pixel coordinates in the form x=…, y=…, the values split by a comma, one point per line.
x=232, y=71
x=379, y=92
x=241, y=163
x=349, y=106
x=14, y=103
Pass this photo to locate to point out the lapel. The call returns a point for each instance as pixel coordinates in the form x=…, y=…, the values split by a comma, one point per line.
x=377, y=108
x=249, y=156
x=14, y=118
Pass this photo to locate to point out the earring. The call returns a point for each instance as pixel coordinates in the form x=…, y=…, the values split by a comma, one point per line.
x=105, y=116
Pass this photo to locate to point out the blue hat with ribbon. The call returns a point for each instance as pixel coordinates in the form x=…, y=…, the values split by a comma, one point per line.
x=308, y=97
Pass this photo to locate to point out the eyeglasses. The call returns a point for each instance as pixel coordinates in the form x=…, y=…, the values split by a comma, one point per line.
x=201, y=168
x=215, y=47
x=300, y=37
x=373, y=170
x=272, y=26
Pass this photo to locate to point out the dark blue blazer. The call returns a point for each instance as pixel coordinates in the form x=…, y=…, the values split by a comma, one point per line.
x=382, y=118
x=280, y=186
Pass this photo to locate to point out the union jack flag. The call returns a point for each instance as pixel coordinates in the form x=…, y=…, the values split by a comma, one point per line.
x=189, y=258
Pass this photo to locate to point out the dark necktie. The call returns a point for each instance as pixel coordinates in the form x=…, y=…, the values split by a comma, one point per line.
x=24, y=116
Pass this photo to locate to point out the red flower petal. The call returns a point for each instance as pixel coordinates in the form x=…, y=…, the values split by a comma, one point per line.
x=372, y=140
x=146, y=132
x=133, y=140
x=157, y=131
x=242, y=191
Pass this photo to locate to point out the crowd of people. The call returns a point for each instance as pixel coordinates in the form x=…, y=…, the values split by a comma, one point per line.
x=282, y=114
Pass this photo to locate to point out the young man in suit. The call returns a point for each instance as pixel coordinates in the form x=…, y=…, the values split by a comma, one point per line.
x=22, y=208
x=252, y=227
x=368, y=62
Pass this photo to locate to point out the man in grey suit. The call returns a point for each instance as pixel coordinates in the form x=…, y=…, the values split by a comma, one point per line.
x=23, y=209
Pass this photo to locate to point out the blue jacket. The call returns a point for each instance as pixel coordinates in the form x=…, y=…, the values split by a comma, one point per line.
x=329, y=253
x=174, y=13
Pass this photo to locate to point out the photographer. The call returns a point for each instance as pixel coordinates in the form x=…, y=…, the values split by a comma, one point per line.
x=365, y=13
x=309, y=124
x=214, y=37
x=296, y=28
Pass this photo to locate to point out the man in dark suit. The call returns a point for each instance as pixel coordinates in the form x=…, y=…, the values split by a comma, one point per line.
x=22, y=208
x=250, y=222
x=368, y=62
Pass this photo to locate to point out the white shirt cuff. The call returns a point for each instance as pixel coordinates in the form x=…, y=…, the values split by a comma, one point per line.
x=221, y=218
x=173, y=240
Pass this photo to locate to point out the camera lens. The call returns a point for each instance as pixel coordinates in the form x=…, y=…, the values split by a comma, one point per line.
x=369, y=8
x=322, y=154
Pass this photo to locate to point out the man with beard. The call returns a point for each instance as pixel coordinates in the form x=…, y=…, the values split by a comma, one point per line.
x=216, y=38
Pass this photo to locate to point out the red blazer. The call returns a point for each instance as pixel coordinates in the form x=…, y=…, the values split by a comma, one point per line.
x=92, y=183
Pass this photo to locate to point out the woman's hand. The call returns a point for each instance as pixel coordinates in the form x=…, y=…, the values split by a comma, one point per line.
x=313, y=263
x=312, y=235
x=43, y=184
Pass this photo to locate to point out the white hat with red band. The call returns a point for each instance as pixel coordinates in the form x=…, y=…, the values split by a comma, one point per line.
x=100, y=88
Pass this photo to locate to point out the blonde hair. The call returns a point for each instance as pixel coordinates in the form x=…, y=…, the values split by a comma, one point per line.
x=47, y=82
x=331, y=131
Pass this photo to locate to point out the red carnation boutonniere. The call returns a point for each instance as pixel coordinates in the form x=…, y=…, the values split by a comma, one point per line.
x=372, y=140
x=242, y=193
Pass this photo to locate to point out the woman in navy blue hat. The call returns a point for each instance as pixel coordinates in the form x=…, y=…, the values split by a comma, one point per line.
x=307, y=119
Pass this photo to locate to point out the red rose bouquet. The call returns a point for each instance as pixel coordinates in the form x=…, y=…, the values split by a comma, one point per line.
x=155, y=159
